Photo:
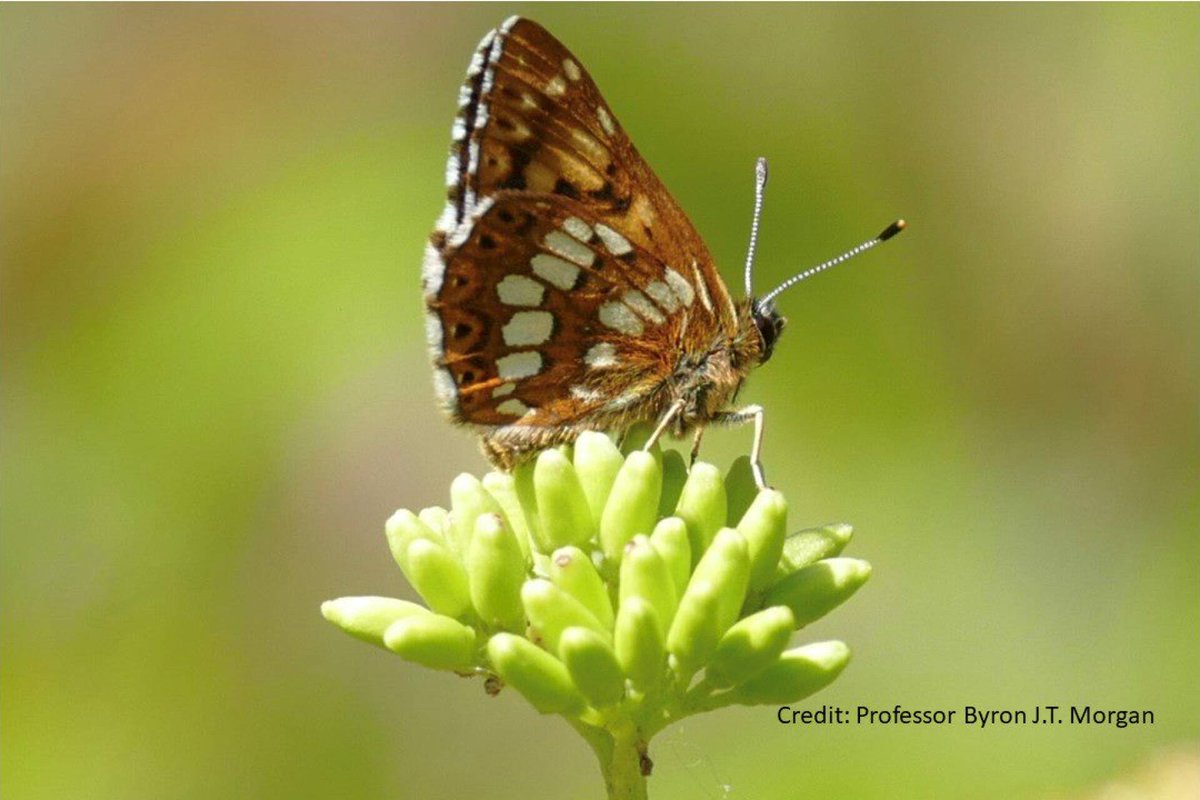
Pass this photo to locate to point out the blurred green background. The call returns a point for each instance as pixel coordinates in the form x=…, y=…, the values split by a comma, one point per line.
x=215, y=387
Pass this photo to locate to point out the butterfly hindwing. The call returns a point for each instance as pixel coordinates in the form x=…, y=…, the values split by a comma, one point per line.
x=546, y=316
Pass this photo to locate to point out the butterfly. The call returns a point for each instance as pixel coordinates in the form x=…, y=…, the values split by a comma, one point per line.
x=565, y=289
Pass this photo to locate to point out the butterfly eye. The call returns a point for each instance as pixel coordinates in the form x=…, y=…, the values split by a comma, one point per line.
x=769, y=324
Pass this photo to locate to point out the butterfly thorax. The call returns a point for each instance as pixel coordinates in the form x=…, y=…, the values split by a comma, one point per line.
x=707, y=380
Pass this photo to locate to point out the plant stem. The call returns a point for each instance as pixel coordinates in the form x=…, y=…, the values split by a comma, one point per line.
x=620, y=752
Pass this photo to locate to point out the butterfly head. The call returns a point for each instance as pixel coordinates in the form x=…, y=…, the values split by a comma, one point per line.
x=768, y=323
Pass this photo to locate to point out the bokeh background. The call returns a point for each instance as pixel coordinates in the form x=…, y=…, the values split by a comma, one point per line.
x=215, y=388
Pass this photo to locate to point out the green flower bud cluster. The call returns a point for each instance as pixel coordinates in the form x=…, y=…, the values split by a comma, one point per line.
x=622, y=591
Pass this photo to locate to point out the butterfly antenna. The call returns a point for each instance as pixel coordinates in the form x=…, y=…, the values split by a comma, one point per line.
x=888, y=232
x=760, y=183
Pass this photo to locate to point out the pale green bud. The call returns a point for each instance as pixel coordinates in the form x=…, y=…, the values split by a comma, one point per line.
x=694, y=633
x=572, y=571
x=438, y=521
x=402, y=529
x=639, y=643
x=675, y=474
x=750, y=646
x=433, y=640
x=632, y=505
x=726, y=566
x=593, y=666
x=439, y=577
x=815, y=590
x=670, y=539
x=367, y=618
x=541, y=678
x=765, y=527
x=810, y=545
x=551, y=611
x=468, y=499
x=566, y=517
x=740, y=489
x=795, y=675
x=702, y=506
x=527, y=498
x=597, y=462
x=644, y=575
x=502, y=487
x=496, y=572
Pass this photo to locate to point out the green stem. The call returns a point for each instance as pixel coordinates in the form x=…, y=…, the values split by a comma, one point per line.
x=620, y=751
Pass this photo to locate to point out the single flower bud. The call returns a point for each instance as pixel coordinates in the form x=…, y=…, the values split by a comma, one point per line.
x=702, y=505
x=815, y=590
x=439, y=577
x=402, y=529
x=538, y=676
x=644, y=575
x=795, y=675
x=593, y=666
x=496, y=571
x=551, y=611
x=367, y=618
x=566, y=517
x=765, y=526
x=632, y=504
x=434, y=641
x=597, y=462
x=638, y=639
x=502, y=487
x=725, y=565
x=468, y=499
x=670, y=539
x=675, y=473
x=810, y=545
x=750, y=646
x=572, y=571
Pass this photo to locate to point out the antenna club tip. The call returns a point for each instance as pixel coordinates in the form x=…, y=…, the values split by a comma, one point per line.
x=760, y=169
x=892, y=230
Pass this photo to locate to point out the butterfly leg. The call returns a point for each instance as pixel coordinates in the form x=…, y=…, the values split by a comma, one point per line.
x=661, y=428
x=696, y=437
x=740, y=417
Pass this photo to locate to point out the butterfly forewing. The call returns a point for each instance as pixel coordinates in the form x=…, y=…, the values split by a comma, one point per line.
x=563, y=282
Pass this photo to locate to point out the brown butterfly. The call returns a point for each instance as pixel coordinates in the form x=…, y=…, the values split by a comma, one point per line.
x=565, y=289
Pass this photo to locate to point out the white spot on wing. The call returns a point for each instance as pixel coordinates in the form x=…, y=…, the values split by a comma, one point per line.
x=572, y=69
x=554, y=270
x=663, y=295
x=586, y=394
x=514, y=407
x=616, y=244
x=621, y=318
x=601, y=356
x=519, y=365
x=557, y=87
x=504, y=389
x=444, y=388
x=681, y=287
x=642, y=305
x=528, y=327
x=432, y=270
x=433, y=334
x=519, y=290
x=571, y=249
x=578, y=228
x=606, y=120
